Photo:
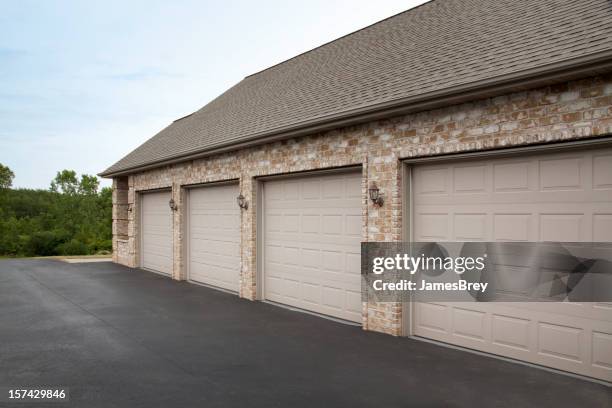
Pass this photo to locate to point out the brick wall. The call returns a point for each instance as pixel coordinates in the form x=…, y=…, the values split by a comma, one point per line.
x=569, y=111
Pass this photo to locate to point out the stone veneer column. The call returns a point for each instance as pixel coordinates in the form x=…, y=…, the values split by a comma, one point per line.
x=178, y=270
x=248, y=239
x=384, y=225
x=121, y=224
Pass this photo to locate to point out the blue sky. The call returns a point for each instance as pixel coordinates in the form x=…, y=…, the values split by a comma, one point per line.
x=82, y=83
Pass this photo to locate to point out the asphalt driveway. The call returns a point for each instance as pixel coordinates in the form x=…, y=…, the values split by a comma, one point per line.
x=119, y=337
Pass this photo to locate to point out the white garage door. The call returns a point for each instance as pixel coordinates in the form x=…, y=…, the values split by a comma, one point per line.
x=156, y=232
x=214, y=236
x=564, y=197
x=312, y=235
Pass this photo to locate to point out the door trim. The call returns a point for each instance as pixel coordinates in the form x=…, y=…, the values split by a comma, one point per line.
x=538, y=148
x=406, y=197
x=259, y=239
x=235, y=180
x=315, y=172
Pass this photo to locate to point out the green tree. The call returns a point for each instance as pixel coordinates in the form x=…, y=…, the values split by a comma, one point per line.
x=65, y=182
x=6, y=177
x=88, y=185
x=74, y=218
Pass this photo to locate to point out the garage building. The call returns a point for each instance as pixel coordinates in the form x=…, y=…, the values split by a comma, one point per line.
x=476, y=121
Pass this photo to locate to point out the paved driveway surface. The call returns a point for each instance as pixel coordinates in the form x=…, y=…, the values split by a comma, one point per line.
x=128, y=338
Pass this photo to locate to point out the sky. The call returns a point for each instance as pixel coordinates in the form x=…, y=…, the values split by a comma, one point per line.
x=82, y=83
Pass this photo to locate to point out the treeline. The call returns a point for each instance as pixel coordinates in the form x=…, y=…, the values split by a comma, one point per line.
x=73, y=217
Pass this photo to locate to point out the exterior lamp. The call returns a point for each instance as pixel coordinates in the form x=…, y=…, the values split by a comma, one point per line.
x=172, y=205
x=375, y=195
x=242, y=202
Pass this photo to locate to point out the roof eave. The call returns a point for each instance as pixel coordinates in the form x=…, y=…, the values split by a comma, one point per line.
x=562, y=71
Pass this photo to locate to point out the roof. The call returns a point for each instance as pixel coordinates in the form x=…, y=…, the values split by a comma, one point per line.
x=436, y=46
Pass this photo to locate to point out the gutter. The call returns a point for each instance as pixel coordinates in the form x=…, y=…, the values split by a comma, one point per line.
x=545, y=75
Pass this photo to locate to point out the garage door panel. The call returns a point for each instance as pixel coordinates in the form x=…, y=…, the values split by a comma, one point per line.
x=214, y=236
x=333, y=261
x=281, y=288
x=512, y=177
x=511, y=331
x=312, y=238
x=215, y=259
x=155, y=227
x=602, y=227
x=331, y=223
x=470, y=226
x=156, y=236
x=560, y=342
x=310, y=276
x=469, y=323
x=311, y=293
x=157, y=262
x=513, y=227
x=602, y=344
x=353, y=304
x=155, y=243
x=201, y=246
x=223, y=223
x=224, y=248
x=333, y=189
x=312, y=241
x=602, y=172
x=333, y=297
x=289, y=271
x=310, y=258
x=470, y=179
x=434, y=227
x=313, y=265
x=432, y=180
x=353, y=261
x=216, y=275
x=310, y=189
x=549, y=197
x=311, y=223
x=432, y=317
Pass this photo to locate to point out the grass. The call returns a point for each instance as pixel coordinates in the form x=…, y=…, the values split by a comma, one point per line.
x=56, y=257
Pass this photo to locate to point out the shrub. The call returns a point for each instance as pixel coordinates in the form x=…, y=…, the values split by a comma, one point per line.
x=43, y=243
x=72, y=247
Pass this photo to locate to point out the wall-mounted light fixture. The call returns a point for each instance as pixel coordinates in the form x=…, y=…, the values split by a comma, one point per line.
x=130, y=207
x=242, y=202
x=172, y=205
x=375, y=195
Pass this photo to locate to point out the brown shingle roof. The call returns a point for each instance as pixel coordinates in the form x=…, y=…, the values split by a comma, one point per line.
x=439, y=45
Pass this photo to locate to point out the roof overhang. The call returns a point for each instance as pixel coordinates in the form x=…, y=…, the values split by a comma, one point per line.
x=586, y=66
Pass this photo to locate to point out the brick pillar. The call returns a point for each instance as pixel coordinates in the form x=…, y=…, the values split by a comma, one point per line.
x=383, y=225
x=121, y=209
x=248, y=239
x=178, y=270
